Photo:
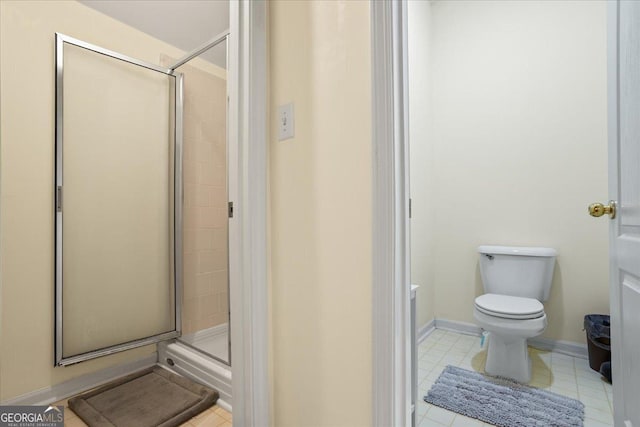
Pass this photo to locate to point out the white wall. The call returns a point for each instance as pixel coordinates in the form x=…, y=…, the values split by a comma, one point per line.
x=320, y=210
x=518, y=133
x=421, y=158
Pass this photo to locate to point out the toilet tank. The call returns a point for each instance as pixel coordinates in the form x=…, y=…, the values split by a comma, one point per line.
x=517, y=271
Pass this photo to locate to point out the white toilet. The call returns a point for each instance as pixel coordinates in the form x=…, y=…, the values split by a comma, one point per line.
x=516, y=280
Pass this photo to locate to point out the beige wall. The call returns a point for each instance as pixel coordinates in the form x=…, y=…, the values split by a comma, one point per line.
x=518, y=128
x=27, y=146
x=321, y=214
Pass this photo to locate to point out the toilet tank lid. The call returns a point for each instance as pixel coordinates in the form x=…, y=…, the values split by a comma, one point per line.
x=516, y=250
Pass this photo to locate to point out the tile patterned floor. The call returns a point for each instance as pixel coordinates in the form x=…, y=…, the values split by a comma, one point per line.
x=566, y=375
x=212, y=417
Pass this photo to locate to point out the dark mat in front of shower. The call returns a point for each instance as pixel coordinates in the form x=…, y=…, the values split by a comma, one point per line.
x=153, y=397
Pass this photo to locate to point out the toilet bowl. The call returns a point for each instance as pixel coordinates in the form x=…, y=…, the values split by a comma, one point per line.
x=516, y=280
x=507, y=354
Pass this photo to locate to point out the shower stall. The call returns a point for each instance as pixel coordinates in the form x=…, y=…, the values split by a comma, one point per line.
x=142, y=208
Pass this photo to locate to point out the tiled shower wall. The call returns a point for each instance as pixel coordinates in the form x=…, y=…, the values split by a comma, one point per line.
x=205, y=226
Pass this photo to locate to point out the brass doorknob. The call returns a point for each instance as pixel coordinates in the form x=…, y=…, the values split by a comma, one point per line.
x=598, y=209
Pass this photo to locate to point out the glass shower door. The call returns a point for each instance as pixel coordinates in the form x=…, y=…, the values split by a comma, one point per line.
x=205, y=314
x=118, y=173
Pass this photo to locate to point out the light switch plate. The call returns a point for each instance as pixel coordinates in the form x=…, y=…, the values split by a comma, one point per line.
x=285, y=122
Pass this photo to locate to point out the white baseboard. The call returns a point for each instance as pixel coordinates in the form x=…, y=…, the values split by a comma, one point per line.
x=460, y=327
x=426, y=330
x=569, y=348
x=56, y=392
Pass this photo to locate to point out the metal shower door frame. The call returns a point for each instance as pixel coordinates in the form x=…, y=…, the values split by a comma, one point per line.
x=220, y=38
x=59, y=359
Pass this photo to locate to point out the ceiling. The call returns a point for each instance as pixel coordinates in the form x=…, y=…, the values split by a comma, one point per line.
x=184, y=24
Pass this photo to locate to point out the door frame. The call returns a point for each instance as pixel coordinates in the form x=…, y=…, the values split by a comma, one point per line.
x=391, y=238
x=248, y=232
x=391, y=358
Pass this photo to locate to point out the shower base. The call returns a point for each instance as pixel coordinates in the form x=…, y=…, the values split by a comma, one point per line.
x=213, y=341
x=184, y=360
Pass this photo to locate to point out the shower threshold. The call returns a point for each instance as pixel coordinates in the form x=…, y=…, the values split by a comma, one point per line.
x=184, y=360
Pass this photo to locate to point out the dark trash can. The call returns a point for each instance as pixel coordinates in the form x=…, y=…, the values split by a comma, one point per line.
x=605, y=370
x=598, y=339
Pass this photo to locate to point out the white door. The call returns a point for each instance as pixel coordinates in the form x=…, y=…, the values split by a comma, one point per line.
x=624, y=185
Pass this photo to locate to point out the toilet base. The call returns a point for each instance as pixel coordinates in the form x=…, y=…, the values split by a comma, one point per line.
x=508, y=356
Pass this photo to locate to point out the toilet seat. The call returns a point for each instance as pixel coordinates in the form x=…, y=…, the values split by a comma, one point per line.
x=509, y=307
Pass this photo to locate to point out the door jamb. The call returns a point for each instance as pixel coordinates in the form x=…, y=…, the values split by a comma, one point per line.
x=248, y=189
x=391, y=379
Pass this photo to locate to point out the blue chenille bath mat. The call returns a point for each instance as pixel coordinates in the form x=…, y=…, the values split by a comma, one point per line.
x=502, y=402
